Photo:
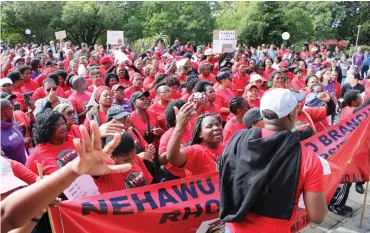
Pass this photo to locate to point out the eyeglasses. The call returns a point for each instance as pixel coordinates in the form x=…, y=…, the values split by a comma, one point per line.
x=70, y=113
x=51, y=89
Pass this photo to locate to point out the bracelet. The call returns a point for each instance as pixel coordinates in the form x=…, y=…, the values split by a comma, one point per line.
x=35, y=220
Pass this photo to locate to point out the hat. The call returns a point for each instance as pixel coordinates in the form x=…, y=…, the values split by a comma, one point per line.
x=251, y=117
x=17, y=59
x=116, y=112
x=7, y=96
x=313, y=101
x=149, y=51
x=5, y=81
x=249, y=86
x=223, y=75
x=280, y=101
x=255, y=77
x=106, y=59
x=326, y=63
x=138, y=94
x=208, y=52
x=98, y=92
x=283, y=64
x=61, y=107
x=9, y=181
x=116, y=86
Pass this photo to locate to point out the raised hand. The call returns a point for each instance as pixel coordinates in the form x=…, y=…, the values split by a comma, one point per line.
x=92, y=158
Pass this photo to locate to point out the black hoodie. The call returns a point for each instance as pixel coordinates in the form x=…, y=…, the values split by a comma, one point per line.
x=259, y=175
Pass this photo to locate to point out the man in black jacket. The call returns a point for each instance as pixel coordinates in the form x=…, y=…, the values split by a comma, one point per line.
x=264, y=172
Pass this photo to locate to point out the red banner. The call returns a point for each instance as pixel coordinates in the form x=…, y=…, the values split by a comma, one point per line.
x=192, y=204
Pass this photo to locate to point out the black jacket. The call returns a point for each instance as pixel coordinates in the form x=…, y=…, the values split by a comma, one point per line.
x=259, y=175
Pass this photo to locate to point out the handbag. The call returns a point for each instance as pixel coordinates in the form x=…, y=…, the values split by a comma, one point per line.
x=148, y=135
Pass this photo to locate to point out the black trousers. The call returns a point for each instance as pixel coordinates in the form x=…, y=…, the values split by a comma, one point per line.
x=341, y=195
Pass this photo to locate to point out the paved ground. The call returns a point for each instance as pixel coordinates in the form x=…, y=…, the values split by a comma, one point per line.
x=350, y=224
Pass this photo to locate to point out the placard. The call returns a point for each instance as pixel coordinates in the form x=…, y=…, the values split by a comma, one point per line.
x=114, y=37
x=83, y=186
x=60, y=35
x=224, y=41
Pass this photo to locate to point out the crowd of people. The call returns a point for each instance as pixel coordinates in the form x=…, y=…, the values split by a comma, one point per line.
x=169, y=113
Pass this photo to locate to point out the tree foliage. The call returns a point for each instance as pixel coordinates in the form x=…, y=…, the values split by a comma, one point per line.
x=256, y=22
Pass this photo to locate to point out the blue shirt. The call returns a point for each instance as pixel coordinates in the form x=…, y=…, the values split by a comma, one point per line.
x=367, y=60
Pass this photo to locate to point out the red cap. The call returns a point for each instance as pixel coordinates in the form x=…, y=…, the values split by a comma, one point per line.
x=283, y=64
x=158, y=52
x=106, y=59
x=326, y=63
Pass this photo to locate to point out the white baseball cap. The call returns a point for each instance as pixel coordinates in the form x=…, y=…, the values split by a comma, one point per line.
x=208, y=52
x=255, y=77
x=281, y=101
x=5, y=81
x=9, y=181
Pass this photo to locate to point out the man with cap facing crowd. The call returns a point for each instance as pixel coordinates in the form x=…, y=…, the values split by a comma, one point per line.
x=263, y=172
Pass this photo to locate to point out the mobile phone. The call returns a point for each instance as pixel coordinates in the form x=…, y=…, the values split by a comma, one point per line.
x=27, y=99
x=197, y=97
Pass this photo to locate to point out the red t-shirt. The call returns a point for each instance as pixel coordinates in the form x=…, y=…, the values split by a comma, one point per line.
x=19, y=100
x=31, y=86
x=222, y=99
x=126, y=83
x=74, y=132
x=347, y=112
x=22, y=172
x=163, y=143
x=51, y=157
x=298, y=83
x=147, y=82
x=137, y=176
x=311, y=179
x=254, y=103
x=129, y=91
x=316, y=114
x=201, y=159
x=230, y=128
x=40, y=93
x=39, y=79
x=79, y=102
x=211, y=78
x=102, y=118
x=141, y=125
x=338, y=89
x=138, y=139
x=176, y=95
x=159, y=110
x=240, y=82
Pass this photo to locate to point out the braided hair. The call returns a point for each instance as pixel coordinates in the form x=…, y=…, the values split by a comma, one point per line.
x=190, y=84
x=235, y=103
x=195, y=139
x=201, y=86
x=170, y=115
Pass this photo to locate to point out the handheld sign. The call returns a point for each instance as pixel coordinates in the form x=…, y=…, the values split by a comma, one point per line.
x=60, y=35
x=114, y=37
x=224, y=41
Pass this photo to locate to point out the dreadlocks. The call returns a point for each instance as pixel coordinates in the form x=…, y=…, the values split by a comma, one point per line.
x=195, y=139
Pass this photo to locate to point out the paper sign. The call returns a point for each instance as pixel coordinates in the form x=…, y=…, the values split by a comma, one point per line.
x=83, y=186
x=60, y=35
x=114, y=37
x=224, y=41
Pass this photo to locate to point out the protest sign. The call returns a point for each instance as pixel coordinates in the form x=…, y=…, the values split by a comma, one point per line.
x=83, y=186
x=224, y=41
x=60, y=35
x=192, y=204
x=114, y=37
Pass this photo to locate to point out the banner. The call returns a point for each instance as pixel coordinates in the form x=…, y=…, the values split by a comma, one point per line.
x=192, y=204
x=224, y=41
x=60, y=35
x=114, y=37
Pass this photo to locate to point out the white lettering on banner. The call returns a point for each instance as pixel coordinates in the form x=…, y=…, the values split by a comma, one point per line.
x=224, y=41
x=114, y=37
x=83, y=186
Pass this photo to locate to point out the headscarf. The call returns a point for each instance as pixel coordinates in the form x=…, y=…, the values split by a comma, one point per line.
x=71, y=63
x=61, y=107
x=99, y=91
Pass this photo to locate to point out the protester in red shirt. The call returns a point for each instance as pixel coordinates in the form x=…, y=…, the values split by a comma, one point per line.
x=241, y=79
x=137, y=176
x=310, y=81
x=353, y=103
x=50, y=68
x=53, y=151
x=276, y=78
x=69, y=58
x=164, y=94
x=257, y=80
x=282, y=51
x=276, y=152
x=202, y=156
x=40, y=92
x=137, y=85
x=238, y=106
x=80, y=97
x=191, y=81
x=110, y=80
x=172, y=172
x=22, y=172
x=223, y=94
x=174, y=84
x=205, y=72
x=149, y=80
x=207, y=88
x=29, y=84
x=68, y=112
x=144, y=120
x=7, y=85
x=103, y=96
x=338, y=87
x=62, y=77
x=95, y=77
x=268, y=69
x=182, y=73
x=124, y=78
x=106, y=63
x=284, y=69
x=298, y=83
x=251, y=95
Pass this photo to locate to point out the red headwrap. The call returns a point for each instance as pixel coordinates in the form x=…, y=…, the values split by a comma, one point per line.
x=99, y=91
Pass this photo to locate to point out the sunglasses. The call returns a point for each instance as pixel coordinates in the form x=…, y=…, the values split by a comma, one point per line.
x=51, y=89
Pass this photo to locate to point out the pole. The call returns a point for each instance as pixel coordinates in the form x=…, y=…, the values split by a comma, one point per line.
x=364, y=204
x=358, y=33
x=39, y=169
